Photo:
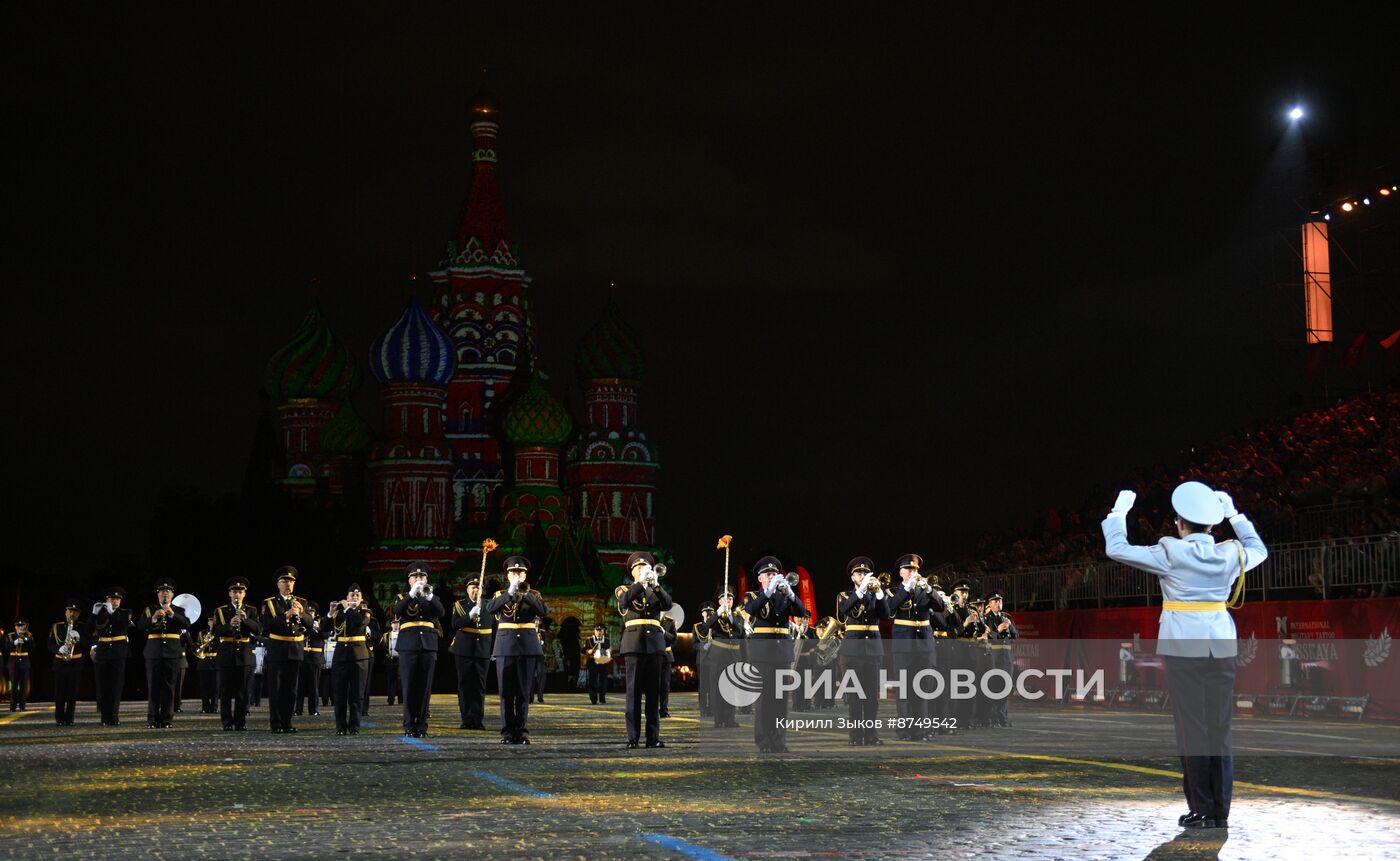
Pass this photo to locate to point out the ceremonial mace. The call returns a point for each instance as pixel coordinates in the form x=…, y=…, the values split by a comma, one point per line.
x=487, y=545
x=723, y=544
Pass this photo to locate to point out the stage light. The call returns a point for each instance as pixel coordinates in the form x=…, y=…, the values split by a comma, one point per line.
x=1327, y=217
x=1296, y=113
x=1385, y=192
x=1366, y=200
x=1346, y=207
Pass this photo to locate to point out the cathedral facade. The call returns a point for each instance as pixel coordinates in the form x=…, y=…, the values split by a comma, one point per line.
x=475, y=445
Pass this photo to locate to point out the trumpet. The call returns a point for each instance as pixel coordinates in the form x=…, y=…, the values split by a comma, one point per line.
x=659, y=569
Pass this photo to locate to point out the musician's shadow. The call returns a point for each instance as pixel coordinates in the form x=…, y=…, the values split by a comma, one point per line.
x=1204, y=845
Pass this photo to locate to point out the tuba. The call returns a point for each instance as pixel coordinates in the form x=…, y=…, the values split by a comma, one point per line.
x=828, y=640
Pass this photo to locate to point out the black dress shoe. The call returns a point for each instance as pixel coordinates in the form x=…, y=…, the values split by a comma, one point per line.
x=290, y=729
x=240, y=729
x=506, y=741
x=657, y=743
x=1197, y=820
x=632, y=745
x=522, y=741
x=354, y=730
x=341, y=732
x=665, y=714
x=463, y=725
x=1181, y=820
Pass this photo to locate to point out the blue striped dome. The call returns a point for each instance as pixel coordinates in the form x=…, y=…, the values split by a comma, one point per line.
x=414, y=349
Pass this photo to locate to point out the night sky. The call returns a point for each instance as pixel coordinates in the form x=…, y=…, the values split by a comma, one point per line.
x=901, y=278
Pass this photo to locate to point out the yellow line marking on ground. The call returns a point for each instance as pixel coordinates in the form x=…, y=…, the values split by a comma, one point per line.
x=13, y=716
x=1162, y=772
x=607, y=713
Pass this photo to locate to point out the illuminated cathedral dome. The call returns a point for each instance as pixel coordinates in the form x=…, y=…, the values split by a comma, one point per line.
x=610, y=350
x=536, y=418
x=415, y=349
x=313, y=364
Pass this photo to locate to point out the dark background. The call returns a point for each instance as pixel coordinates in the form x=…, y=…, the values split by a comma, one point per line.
x=901, y=278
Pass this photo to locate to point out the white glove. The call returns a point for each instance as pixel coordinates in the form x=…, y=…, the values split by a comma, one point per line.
x=1226, y=501
x=97, y=607
x=880, y=593
x=1123, y=504
x=860, y=591
x=474, y=612
x=514, y=585
x=772, y=587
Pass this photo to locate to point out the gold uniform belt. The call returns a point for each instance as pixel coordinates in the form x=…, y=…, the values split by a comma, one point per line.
x=940, y=633
x=999, y=648
x=313, y=649
x=297, y=639
x=862, y=627
x=913, y=623
x=235, y=639
x=632, y=623
x=475, y=630
x=111, y=639
x=162, y=636
x=74, y=657
x=723, y=645
x=530, y=625
x=770, y=630
x=19, y=654
x=339, y=640
x=1193, y=606
x=403, y=625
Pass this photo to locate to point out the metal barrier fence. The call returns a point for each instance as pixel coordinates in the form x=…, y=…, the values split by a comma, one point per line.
x=1336, y=518
x=1326, y=568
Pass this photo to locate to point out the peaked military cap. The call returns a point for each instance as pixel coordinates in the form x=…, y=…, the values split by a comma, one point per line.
x=860, y=563
x=768, y=565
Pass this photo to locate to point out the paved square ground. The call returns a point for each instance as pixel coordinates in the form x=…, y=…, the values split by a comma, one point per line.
x=196, y=792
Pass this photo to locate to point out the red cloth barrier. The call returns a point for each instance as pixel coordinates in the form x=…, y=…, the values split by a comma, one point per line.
x=1342, y=647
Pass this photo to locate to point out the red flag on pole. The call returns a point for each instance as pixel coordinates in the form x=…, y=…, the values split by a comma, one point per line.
x=1391, y=345
x=1356, y=352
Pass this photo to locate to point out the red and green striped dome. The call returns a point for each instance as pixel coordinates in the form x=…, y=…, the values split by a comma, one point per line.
x=313, y=364
x=536, y=418
x=610, y=350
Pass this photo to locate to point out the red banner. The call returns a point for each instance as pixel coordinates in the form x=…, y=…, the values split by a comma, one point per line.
x=807, y=593
x=1338, y=648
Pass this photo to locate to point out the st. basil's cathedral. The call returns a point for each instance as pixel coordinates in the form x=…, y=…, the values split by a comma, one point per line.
x=475, y=445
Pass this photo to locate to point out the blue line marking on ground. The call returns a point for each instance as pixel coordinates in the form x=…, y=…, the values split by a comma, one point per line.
x=675, y=844
x=506, y=783
x=408, y=739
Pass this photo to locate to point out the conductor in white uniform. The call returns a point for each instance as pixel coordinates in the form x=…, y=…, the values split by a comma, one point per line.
x=1196, y=633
